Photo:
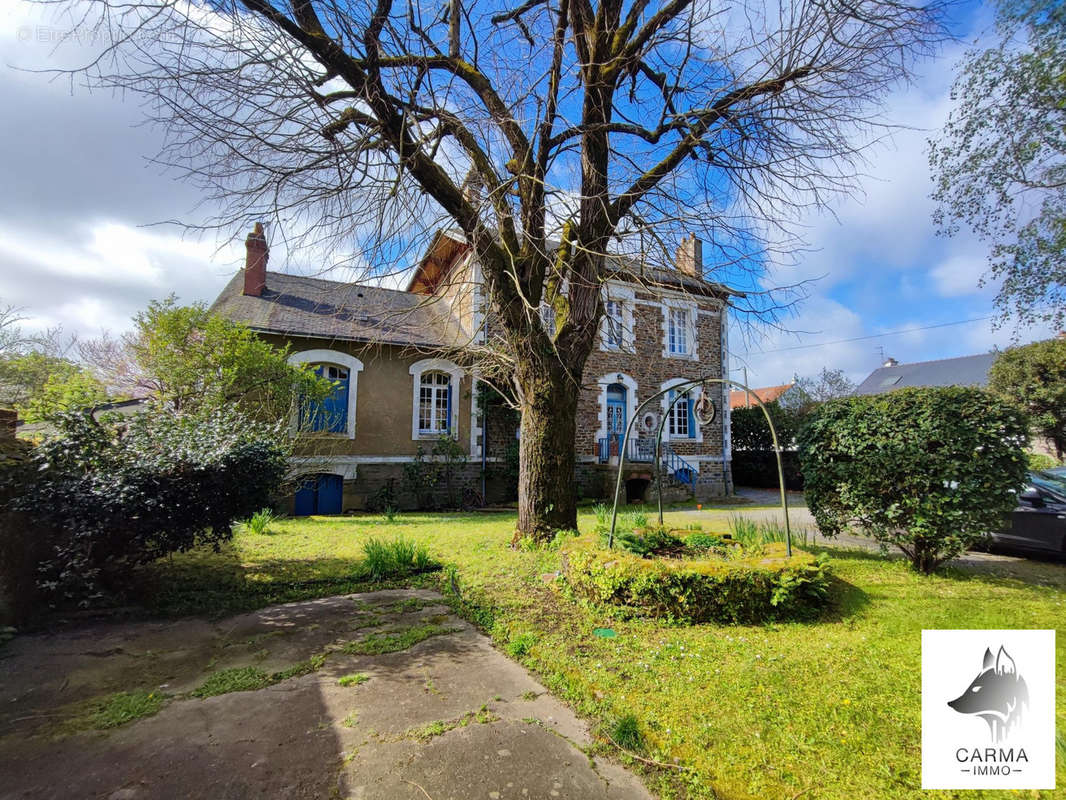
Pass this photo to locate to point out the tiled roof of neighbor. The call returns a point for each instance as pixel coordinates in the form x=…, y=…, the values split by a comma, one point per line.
x=964, y=371
x=739, y=399
x=299, y=306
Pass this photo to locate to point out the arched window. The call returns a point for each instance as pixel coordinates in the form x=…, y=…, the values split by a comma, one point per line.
x=331, y=413
x=336, y=413
x=435, y=404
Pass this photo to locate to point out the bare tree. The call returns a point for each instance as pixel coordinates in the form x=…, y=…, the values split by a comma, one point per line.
x=609, y=126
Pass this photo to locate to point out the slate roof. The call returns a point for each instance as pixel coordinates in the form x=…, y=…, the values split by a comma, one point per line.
x=963, y=371
x=627, y=268
x=294, y=305
x=739, y=399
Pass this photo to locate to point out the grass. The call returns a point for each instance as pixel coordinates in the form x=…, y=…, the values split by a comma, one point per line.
x=423, y=733
x=376, y=644
x=830, y=710
x=122, y=707
x=250, y=679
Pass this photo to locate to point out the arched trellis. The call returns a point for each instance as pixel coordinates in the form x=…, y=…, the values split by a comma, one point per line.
x=681, y=389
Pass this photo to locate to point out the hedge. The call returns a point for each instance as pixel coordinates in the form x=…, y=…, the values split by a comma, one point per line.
x=759, y=587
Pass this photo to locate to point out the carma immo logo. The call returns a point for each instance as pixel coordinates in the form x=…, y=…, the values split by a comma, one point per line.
x=988, y=709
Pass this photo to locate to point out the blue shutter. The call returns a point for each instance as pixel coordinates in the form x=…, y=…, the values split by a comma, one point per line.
x=691, y=418
x=448, y=423
x=336, y=407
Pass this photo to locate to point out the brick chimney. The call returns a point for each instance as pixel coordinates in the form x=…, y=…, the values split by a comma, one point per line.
x=255, y=264
x=689, y=256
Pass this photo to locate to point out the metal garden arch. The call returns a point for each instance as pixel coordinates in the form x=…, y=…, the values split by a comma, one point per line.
x=681, y=390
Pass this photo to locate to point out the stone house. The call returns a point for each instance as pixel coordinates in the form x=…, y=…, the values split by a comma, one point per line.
x=396, y=358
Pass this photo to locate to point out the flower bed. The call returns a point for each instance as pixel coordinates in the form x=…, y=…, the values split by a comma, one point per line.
x=747, y=585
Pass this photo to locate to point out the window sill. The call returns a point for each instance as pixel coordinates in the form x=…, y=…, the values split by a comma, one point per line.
x=681, y=356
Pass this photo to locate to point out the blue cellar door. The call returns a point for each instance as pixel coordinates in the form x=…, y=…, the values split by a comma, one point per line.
x=320, y=494
x=330, y=492
x=304, y=502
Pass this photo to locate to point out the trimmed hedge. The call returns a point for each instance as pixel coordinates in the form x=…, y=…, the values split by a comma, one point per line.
x=755, y=588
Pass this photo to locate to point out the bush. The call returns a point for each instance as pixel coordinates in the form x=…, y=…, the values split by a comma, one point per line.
x=758, y=587
x=931, y=471
x=126, y=492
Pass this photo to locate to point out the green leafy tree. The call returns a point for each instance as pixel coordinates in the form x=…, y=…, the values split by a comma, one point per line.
x=64, y=390
x=23, y=376
x=188, y=359
x=1000, y=163
x=1033, y=377
x=931, y=471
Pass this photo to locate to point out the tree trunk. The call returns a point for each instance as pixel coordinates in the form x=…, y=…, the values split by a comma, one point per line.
x=547, y=500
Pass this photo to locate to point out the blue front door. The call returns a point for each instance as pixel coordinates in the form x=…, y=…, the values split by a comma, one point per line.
x=616, y=414
x=319, y=494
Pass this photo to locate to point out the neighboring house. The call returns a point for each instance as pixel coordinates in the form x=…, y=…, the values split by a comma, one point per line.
x=767, y=394
x=397, y=359
x=962, y=371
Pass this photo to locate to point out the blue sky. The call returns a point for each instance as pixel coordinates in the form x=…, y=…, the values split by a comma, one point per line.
x=74, y=249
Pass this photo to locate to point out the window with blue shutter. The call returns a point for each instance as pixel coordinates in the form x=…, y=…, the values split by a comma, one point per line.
x=331, y=414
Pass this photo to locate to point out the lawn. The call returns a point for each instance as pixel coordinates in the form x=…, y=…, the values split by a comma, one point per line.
x=819, y=710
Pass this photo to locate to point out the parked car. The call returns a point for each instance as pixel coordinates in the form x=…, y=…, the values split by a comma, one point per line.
x=1038, y=523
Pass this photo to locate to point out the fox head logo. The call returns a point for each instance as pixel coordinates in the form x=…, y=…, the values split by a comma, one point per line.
x=998, y=694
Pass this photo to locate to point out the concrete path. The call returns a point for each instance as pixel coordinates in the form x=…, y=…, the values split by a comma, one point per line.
x=448, y=718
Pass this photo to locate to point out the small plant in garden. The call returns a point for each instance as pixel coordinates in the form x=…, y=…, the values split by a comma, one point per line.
x=603, y=515
x=259, y=523
x=639, y=520
x=390, y=514
x=703, y=542
x=521, y=644
x=395, y=558
x=626, y=733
